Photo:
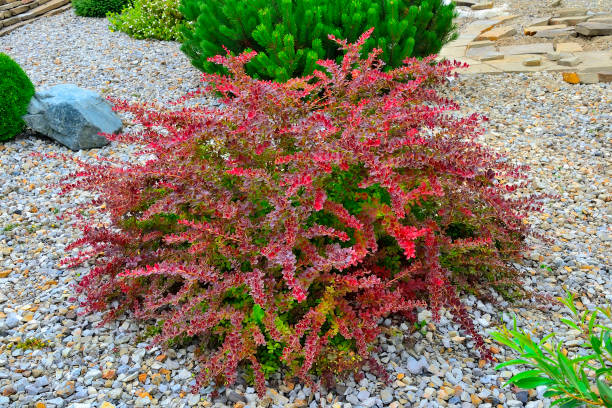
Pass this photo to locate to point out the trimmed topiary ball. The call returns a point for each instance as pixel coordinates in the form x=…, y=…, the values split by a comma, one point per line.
x=98, y=8
x=16, y=90
x=291, y=35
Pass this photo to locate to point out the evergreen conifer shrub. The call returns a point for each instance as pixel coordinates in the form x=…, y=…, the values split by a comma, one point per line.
x=291, y=35
x=16, y=90
x=98, y=8
x=278, y=228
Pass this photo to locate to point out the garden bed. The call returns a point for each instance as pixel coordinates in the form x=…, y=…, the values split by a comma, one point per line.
x=563, y=132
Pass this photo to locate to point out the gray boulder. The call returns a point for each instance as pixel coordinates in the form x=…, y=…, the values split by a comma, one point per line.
x=72, y=116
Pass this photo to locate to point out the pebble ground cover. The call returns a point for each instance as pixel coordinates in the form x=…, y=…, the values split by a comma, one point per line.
x=50, y=355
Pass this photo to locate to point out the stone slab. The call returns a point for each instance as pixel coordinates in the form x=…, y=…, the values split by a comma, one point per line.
x=570, y=62
x=480, y=44
x=481, y=68
x=450, y=52
x=515, y=64
x=482, y=6
x=561, y=32
x=466, y=3
x=588, y=77
x=532, y=30
x=570, y=21
x=533, y=62
x=570, y=12
x=20, y=9
x=480, y=51
x=568, y=47
x=497, y=33
x=492, y=57
x=591, y=29
x=605, y=20
x=605, y=76
x=538, y=48
x=44, y=8
x=541, y=21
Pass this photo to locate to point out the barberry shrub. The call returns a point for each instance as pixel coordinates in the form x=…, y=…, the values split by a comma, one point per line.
x=279, y=228
x=291, y=35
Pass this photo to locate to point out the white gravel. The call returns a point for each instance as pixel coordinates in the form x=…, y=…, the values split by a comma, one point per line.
x=562, y=131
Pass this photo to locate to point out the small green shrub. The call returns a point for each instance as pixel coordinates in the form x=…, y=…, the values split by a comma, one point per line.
x=98, y=8
x=571, y=380
x=291, y=35
x=16, y=90
x=158, y=19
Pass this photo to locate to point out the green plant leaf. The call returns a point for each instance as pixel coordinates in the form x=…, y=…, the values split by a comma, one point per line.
x=257, y=314
x=512, y=362
x=570, y=324
x=605, y=392
x=568, y=369
x=533, y=382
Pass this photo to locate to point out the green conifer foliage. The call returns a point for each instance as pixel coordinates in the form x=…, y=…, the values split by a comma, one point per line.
x=291, y=35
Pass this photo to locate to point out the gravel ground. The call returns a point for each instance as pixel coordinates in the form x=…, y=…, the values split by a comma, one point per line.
x=562, y=131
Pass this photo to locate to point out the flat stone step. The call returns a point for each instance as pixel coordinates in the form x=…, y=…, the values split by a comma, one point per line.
x=570, y=21
x=10, y=12
x=42, y=9
x=539, y=48
x=591, y=29
x=53, y=12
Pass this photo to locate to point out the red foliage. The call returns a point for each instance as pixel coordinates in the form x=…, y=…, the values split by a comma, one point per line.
x=330, y=201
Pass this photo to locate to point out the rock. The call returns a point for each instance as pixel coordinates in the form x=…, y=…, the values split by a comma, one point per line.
x=591, y=29
x=571, y=77
x=12, y=320
x=92, y=375
x=386, y=395
x=482, y=6
x=532, y=62
x=428, y=393
x=560, y=32
x=363, y=395
x=497, y=33
x=414, y=366
x=570, y=12
x=568, y=47
x=522, y=396
x=235, y=397
x=554, y=3
x=569, y=62
x=72, y=116
x=588, y=77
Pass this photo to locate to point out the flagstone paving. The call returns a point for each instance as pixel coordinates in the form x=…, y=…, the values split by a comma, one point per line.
x=571, y=40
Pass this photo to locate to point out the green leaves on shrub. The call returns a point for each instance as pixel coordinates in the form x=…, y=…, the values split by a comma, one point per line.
x=98, y=8
x=291, y=35
x=157, y=19
x=16, y=90
x=572, y=381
